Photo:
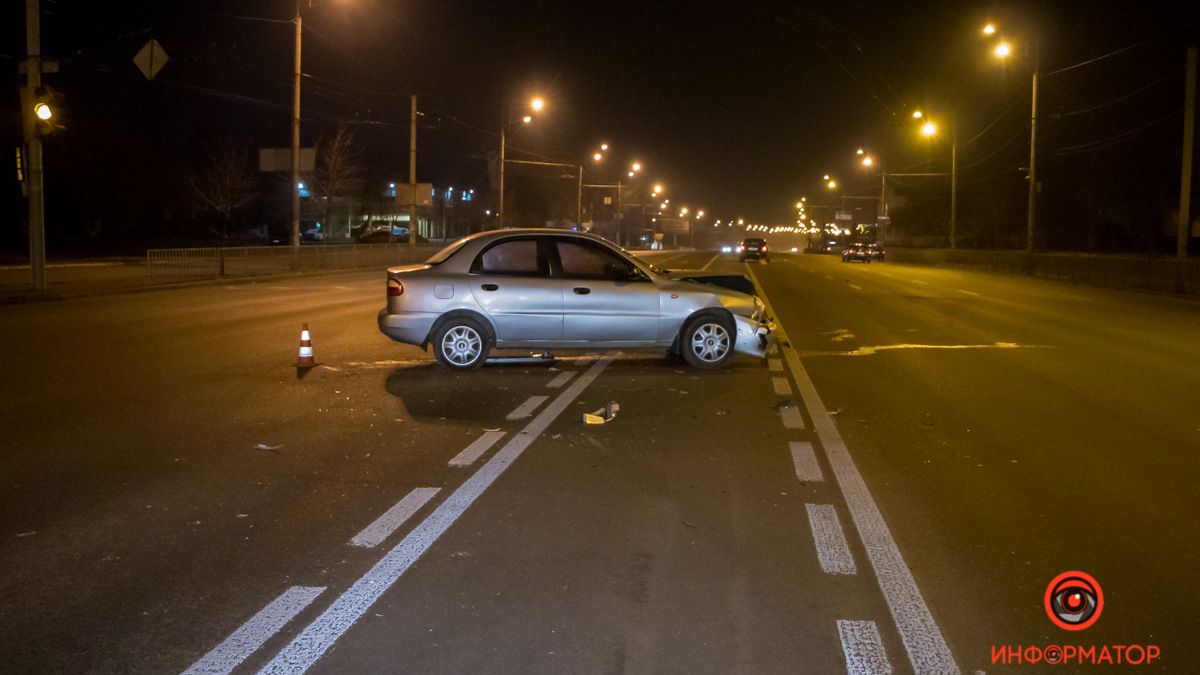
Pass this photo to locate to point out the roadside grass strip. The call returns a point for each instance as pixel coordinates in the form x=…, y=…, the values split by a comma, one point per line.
x=255, y=632
x=316, y=639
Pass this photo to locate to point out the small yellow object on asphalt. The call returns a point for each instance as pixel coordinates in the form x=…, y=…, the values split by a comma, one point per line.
x=602, y=415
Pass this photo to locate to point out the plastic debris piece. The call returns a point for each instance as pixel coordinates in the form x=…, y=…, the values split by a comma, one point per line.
x=602, y=415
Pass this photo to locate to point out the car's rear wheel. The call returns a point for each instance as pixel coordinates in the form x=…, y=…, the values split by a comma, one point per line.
x=460, y=343
x=706, y=342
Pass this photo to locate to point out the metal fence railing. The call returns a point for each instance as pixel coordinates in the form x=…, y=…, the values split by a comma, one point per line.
x=186, y=264
x=1118, y=271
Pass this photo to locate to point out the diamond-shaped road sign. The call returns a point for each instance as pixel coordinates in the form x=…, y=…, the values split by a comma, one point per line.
x=150, y=59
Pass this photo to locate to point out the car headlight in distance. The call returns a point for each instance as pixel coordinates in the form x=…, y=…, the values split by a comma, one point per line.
x=794, y=249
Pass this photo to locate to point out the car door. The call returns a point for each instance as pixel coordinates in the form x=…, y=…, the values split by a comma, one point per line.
x=605, y=297
x=511, y=280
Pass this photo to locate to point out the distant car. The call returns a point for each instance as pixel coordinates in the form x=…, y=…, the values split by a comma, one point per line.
x=859, y=251
x=726, y=248
x=554, y=289
x=828, y=246
x=753, y=248
x=877, y=252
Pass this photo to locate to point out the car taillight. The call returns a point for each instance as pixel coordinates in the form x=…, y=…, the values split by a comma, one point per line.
x=394, y=288
x=741, y=248
x=764, y=248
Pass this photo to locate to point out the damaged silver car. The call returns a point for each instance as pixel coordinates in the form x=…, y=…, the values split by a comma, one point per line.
x=555, y=289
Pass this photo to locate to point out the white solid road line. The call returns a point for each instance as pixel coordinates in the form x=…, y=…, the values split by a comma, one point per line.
x=805, y=461
x=923, y=640
x=714, y=259
x=775, y=365
x=255, y=632
x=561, y=379
x=526, y=409
x=781, y=386
x=832, y=550
x=967, y=292
x=857, y=288
x=303, y=651
x=792, y=419
x=863, y=647
x=393, y=518
x=918, y=281
x=476, y=449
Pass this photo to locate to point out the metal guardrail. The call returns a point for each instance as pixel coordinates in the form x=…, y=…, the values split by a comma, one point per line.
x=188, y=264
x=1118, y=271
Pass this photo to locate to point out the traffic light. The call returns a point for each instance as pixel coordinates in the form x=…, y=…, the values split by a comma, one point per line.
x=42, y=112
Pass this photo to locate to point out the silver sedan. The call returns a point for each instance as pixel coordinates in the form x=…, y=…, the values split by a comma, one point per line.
x=544, y=288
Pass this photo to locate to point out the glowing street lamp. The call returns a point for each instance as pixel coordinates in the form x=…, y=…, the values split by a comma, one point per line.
x=1002, y=50
x=929, y=129
x=917, y=114
x=658, y=188
x=537, y=103
x=989, y=29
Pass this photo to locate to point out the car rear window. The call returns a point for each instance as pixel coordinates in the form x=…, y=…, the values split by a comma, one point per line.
x=516, y=257
x=754, y=242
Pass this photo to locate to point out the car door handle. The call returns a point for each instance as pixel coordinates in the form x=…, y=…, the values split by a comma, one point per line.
x=490, y=287
x=582, y=290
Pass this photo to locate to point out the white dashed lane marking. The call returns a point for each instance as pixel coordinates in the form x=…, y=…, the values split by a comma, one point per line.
x=561, y=379
x=927, y=649
x=473, y=451
x=968, y=292
x=775, y=365
x=781, y=386
x=863, y=647
x=857, y=288
x=310, y=644
x=255, y=632
x=805, y=461
x=792, y=419
x=393, y=518
x=832, y=550
x=526, y=409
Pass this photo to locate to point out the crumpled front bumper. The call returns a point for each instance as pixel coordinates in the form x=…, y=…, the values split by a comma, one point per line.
x=755, y=335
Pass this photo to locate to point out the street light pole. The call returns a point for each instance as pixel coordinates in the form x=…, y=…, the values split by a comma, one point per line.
x=37, y=213
x=1033, y=186
x=295, y=186
x=953, y=185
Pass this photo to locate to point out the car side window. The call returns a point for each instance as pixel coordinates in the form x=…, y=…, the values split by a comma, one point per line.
x=515, y=257
x=584, y=261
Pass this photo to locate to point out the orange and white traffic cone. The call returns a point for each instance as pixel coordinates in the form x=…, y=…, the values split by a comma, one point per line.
x=305, y=359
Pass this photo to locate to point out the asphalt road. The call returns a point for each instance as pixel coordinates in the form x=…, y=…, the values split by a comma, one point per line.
x=174, y=497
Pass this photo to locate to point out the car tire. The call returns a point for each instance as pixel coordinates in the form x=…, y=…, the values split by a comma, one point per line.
x=707, y=341
x=461, y=343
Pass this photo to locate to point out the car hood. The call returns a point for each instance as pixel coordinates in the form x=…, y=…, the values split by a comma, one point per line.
x=733, y=282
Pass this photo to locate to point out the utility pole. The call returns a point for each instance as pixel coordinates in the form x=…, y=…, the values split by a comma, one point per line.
x=954, y=186
x=579, y=199
x=33, y=81
x=412, y=173
x=1189, y=136
x=295, y=186
x=1033, y=184
x=500, y=208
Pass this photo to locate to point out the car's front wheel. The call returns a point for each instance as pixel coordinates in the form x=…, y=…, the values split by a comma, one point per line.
x=460, y=343
x=707, y=342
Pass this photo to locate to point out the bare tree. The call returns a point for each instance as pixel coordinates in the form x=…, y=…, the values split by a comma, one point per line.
x=339, y=170
x=226, y=183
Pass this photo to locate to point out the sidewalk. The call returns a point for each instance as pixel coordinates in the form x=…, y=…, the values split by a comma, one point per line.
x=74, y=278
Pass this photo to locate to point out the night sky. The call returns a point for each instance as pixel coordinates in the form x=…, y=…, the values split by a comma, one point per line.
x=739, y=107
